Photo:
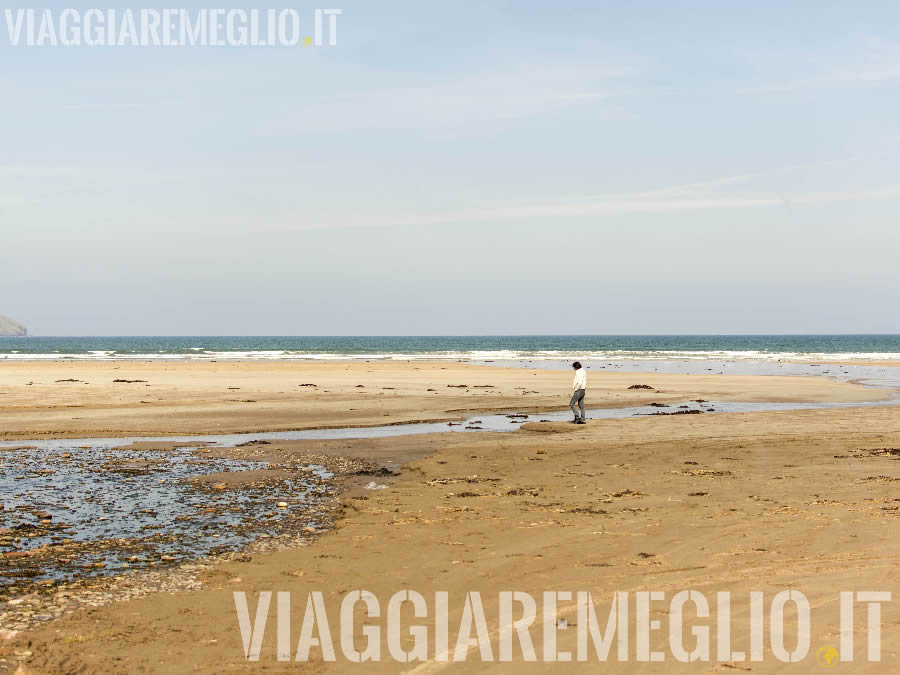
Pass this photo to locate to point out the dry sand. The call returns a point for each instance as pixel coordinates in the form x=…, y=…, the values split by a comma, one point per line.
x=729, y=502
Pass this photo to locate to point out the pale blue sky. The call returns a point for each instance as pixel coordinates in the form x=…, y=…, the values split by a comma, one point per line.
x=465, y=167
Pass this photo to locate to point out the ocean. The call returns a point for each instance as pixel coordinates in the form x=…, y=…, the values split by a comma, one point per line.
x=472, y=348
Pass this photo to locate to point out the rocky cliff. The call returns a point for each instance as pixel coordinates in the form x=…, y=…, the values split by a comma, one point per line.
x=10, y=328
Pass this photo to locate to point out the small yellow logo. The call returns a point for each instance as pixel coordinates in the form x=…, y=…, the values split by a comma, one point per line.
x=827, y=656
x=307, y=40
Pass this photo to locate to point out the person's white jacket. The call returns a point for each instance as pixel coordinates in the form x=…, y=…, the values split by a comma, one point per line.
x=580, y=379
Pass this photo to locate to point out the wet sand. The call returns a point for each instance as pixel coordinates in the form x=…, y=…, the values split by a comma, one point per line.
x=860, y=362
x=79, y=400
x=804, y=500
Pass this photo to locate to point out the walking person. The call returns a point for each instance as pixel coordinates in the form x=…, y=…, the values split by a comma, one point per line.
x=578, y=387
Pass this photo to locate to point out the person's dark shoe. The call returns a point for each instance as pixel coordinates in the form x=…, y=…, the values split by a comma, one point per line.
x=575, y=421
x=580, y=422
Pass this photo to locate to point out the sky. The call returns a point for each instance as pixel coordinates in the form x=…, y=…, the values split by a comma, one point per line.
x=463, y=168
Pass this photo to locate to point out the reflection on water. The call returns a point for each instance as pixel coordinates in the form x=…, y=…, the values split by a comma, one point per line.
x=874, y=376
x=72, y=508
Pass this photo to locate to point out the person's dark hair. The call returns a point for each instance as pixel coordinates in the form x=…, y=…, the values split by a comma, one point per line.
x=576, y=365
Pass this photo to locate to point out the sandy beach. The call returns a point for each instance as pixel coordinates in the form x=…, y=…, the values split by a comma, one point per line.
x=78, y=399
x=771, y=501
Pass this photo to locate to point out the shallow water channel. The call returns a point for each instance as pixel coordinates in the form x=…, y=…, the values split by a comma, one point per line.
x=86, y=507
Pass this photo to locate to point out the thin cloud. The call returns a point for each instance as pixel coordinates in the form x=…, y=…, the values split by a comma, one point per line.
x=741, y=178
x=621, y=204
x=465, y=102
x=683, y=197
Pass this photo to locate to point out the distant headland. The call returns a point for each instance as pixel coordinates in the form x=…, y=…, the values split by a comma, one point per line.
x=10, y=328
